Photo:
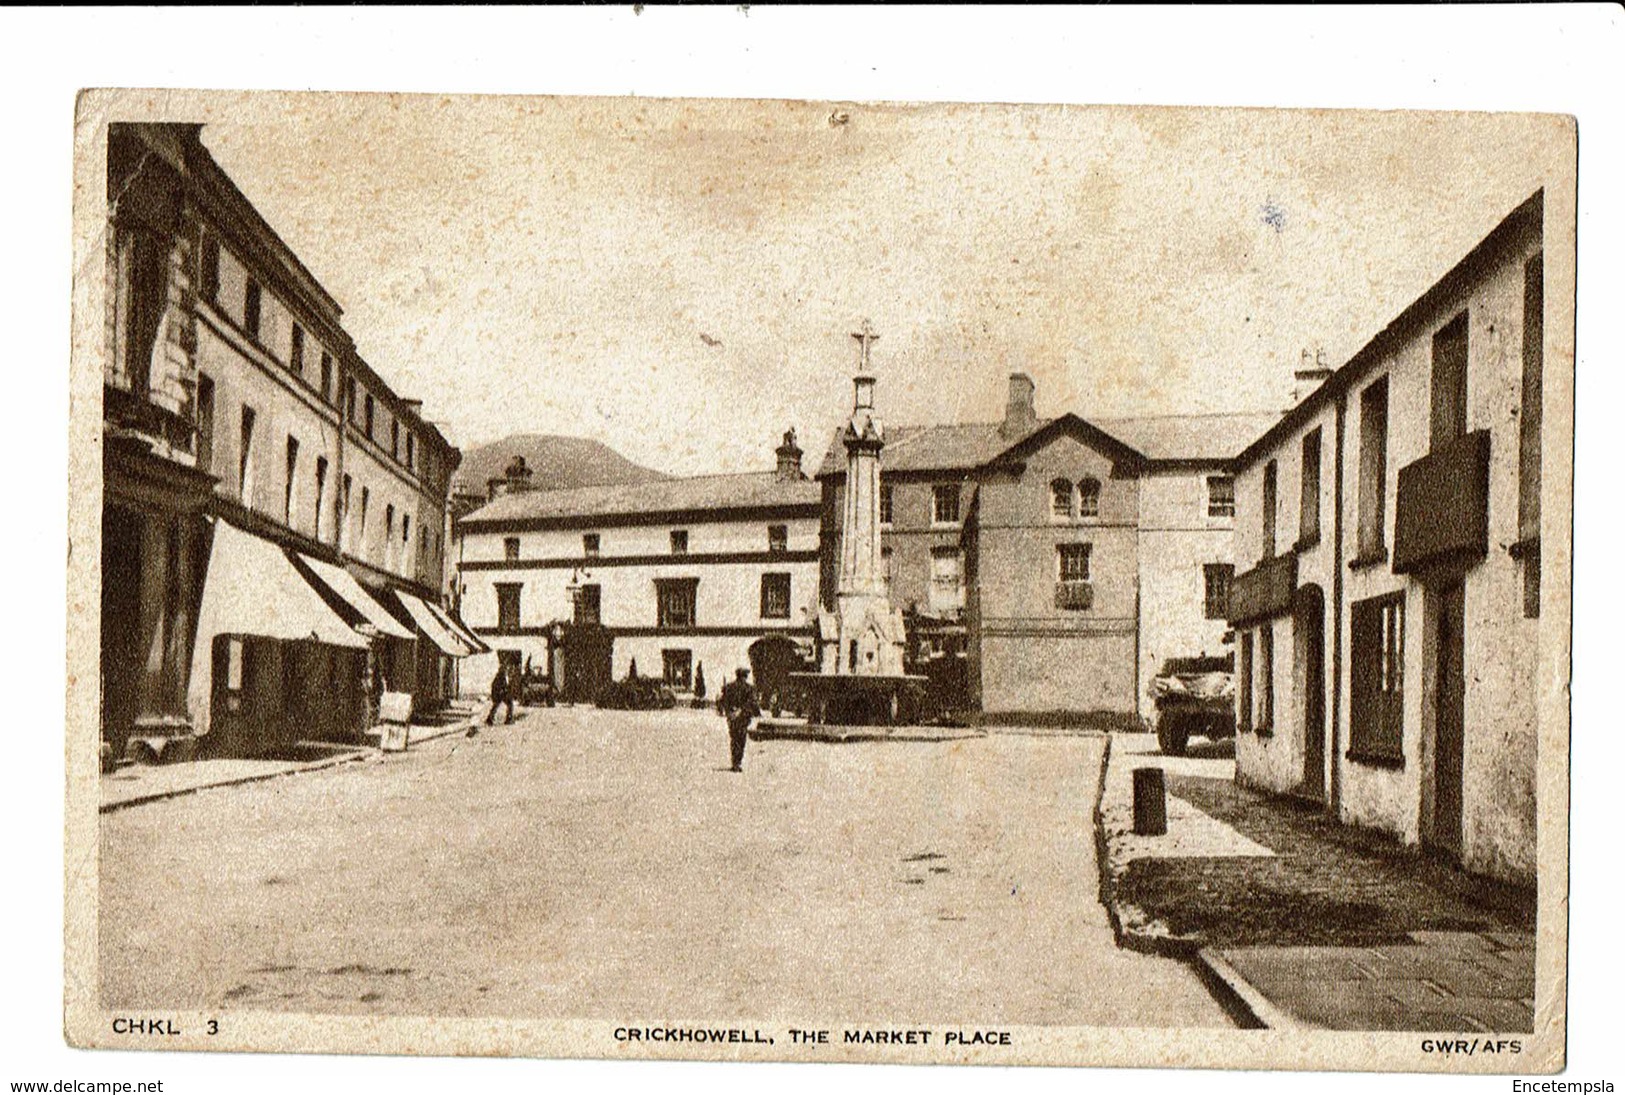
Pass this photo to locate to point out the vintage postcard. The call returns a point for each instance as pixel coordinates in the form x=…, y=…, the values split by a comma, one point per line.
x=820, y=581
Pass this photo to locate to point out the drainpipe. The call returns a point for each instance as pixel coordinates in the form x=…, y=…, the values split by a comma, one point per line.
x=1335, y=788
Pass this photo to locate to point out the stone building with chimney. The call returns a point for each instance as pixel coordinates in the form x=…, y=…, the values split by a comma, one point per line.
x=671, y=578
x=1062, y=559
x=273, y=513
x=1400, y=647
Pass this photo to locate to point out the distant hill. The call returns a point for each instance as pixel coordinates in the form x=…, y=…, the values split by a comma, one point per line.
x=558, y=462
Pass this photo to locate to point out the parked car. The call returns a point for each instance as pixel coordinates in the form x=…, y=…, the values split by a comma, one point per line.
x=637, y=694
x=1194, y=696
x=536, y=689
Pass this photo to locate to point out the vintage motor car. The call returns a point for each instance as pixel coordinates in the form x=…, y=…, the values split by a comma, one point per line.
x=1194, y=697
x=637, y=694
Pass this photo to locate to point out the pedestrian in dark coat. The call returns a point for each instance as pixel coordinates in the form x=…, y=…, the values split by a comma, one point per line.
x=502, y=690
x=737, y=703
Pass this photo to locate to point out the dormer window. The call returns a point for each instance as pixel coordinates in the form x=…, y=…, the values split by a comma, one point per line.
x=1089, y=497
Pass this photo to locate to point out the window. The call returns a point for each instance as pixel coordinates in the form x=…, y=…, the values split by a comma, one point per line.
x=1377, y=690
x=251, y=309
x=406, y=539
x=510, y=548
x=1268, y=506
x=327, y=377
x=508, y=605
x=590, y=542
x=1309, y=490
x=1089, y=497
x=679, y=541
x=287, y=483
x=205, y=422
x=349, y=399
x=321, y=496
x=1221, y=496
x=245, y=458
x=1072, y=561
x=775, y=596
x=1373, y=471
x=361, y=533
x=945, y=504
x=885, y=503
x=778, y=539
x=395, y=438
x=209, y=269
x=1244, y=682
x=411, y=451
x=1449, y=417
x=674, y=601
x=947, y=579
x=296, y=350
x=344, y=515
x=1529, y=420
x=677, y=669
x=1266, y=680
x=366, y=415
x=138, y=305
x=389, y=534
x=885, y=567
x=1216, y=590
x=589, y=604
x=1060, y=498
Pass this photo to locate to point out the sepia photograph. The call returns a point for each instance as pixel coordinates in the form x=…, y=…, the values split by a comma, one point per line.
x=811, y=579
x=803, y=578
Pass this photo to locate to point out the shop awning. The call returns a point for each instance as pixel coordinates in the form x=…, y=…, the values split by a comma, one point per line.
x=251, y=588
x=434, y=630
x=461, y=630
x=348, y=590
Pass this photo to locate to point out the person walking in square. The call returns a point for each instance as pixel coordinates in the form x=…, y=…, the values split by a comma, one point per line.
x=737, y=702
x=502, y=690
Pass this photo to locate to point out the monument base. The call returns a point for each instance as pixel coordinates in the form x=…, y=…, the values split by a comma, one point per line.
x=863, y=699
x=797, y=730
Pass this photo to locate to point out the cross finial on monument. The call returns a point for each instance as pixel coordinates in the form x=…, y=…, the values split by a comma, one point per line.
x=866, y=337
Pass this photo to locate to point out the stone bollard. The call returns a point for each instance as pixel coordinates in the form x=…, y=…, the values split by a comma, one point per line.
x=1150, y=802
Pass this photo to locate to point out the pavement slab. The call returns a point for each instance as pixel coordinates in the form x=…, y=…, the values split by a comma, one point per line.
x=1327, y=925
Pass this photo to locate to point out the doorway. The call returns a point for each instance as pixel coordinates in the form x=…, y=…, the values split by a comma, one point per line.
x=1309, y=625
x=1449, y=702
x=122, y=646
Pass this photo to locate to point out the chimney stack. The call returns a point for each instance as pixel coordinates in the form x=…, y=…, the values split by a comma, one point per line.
x=1310, y=374
x=1020, y=416
x=789, y=454
x=515, y=480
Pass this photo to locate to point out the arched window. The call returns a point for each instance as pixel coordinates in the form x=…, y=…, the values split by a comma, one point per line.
x=1060, y=498
x=1089, y=497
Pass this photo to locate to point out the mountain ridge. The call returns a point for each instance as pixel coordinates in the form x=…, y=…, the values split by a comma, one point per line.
x=557, y=461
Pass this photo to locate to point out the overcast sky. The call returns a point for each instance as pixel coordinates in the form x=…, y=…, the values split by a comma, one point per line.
x=678, y=278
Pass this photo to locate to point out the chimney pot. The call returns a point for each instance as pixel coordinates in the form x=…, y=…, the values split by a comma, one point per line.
x=1020, y=414
x=789, y=457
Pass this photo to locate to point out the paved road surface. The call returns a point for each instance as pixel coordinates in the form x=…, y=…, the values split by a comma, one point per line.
x=603, y=865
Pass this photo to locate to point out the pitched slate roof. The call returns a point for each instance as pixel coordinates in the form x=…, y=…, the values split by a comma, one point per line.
x=749, y=490
x=1188, y=436
x=964, y=446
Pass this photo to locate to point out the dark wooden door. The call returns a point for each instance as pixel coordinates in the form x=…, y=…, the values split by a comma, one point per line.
x=1448, y=735
x=1312, y=621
